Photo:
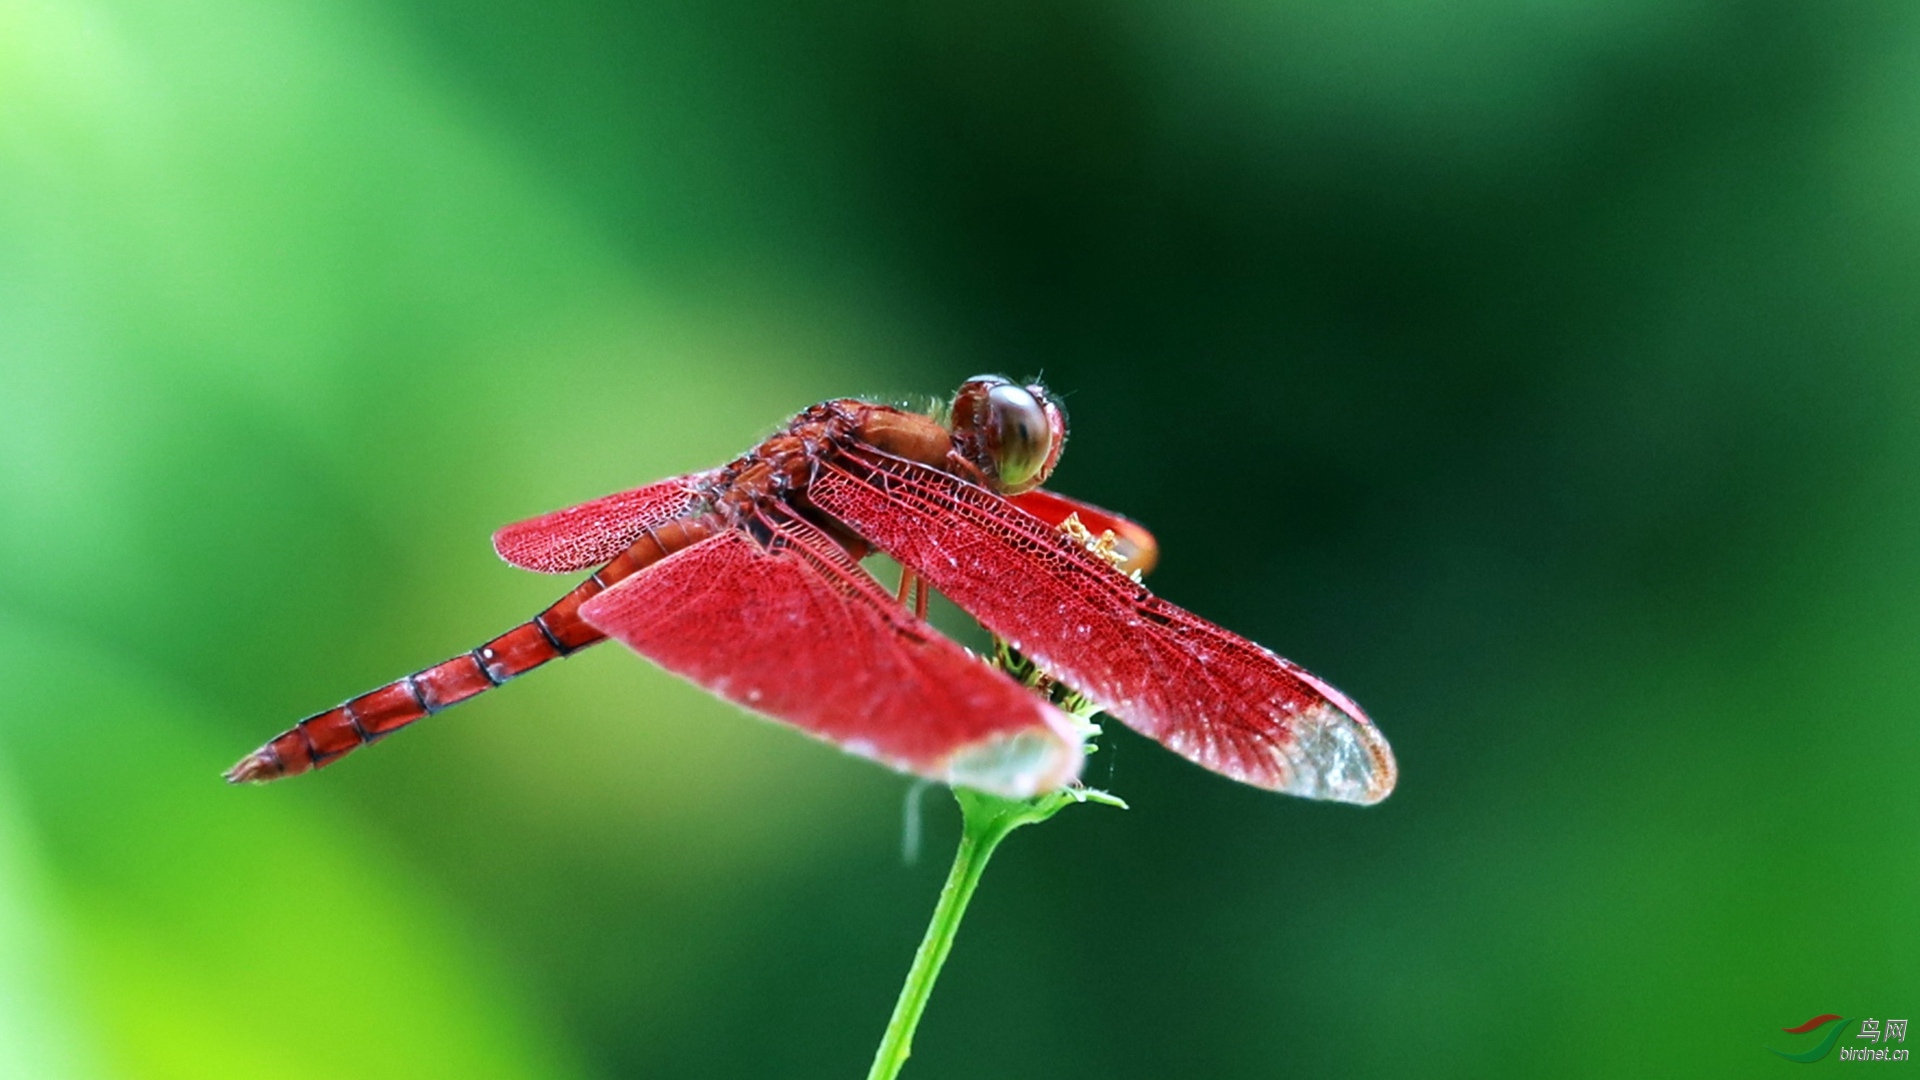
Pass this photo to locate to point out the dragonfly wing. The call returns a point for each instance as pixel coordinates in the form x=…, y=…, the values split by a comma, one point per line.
x=794, y=629
x=593, y=532
x=1206, y=693
x=1132, y=541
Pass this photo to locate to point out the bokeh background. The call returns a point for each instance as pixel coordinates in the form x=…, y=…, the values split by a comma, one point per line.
x=1545, y=374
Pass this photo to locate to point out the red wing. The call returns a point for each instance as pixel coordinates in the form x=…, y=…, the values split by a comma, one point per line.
x=797, y=631
x=593, y=532
x=1131, y=539
x=1208, y=694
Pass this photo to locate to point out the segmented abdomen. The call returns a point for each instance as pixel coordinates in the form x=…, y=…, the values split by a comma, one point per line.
x=558, y=631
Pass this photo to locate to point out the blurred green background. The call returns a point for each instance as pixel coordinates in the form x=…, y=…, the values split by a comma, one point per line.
x=1544, y=374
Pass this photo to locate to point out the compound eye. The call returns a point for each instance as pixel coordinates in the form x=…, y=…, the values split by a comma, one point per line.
x=1020, y=436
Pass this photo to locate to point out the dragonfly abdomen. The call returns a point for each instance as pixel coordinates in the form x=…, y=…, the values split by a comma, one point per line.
x=326, y=737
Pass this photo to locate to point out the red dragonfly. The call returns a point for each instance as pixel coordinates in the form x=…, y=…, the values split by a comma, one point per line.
x=745, y=580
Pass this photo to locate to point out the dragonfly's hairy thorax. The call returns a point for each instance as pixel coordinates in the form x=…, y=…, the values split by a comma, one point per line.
x=778, y=471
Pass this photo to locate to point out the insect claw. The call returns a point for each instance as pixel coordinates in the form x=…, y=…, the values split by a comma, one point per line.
x=1084, y=794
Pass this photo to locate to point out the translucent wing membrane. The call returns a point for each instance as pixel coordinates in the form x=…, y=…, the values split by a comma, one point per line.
x=1206, y=693
x=594, y=532
x=791, y=627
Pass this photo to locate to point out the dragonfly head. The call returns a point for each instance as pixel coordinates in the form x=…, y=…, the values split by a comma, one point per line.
x=1012, y=433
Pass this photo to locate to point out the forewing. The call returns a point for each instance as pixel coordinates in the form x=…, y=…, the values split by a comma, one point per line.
x=1206, y=693
x=1132, y=541
x=792, y=628
x=593, y=532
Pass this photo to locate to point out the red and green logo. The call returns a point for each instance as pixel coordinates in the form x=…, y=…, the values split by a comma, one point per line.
x=1824, y=1046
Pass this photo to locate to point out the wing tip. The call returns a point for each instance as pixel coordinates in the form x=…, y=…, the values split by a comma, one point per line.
x=1345, y=757
x=1322, y=752
x=522, y=547
x=1022, y=763
x=1337, y=755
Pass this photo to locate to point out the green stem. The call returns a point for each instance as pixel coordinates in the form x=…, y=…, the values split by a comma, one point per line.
x=985, y=821
x=976, y=847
